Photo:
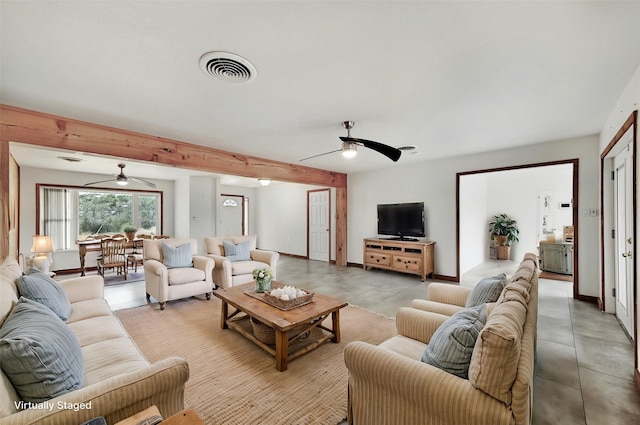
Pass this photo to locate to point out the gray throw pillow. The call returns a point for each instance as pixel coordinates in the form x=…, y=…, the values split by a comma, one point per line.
x=39, y=287
x=488, y=290
x=237, y=252
x=451, y=345
x=179, y=256
x=39, y=354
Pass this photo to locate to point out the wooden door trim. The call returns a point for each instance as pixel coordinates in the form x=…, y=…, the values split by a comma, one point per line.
x=575, y=192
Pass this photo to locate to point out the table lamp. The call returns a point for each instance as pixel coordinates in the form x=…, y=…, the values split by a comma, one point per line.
x=42, y=245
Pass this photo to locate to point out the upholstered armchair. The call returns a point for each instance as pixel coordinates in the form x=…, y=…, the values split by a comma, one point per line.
x=236, y=268
x=175, y=271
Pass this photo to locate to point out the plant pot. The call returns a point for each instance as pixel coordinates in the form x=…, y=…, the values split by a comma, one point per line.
x=501, y=240
x=503, y=252
x=130, y=235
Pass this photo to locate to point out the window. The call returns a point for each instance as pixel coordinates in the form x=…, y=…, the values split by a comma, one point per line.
x=70, y=213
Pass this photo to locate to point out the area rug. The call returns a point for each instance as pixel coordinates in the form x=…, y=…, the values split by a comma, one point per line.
x=232, y=381
x=117, y=279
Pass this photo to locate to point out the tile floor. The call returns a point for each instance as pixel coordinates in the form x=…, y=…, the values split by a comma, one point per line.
x=584, y=361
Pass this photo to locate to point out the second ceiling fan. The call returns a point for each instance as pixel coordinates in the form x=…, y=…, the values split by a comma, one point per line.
x=350, y=145
x=123, y=179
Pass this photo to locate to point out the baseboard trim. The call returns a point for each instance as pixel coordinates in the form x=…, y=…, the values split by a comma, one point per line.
x=446, y=278
x=588, y=299
x=302, y=257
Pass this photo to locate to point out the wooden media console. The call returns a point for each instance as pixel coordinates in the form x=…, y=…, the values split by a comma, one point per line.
x=415, y=257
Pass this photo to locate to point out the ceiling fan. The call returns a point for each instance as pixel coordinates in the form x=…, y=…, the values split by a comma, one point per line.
x=123, y=180
x=350, y=144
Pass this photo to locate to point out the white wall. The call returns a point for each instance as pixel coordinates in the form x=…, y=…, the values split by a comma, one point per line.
x=474, y=238
x=434, y=182
x=181, y=207
x=203, y=197
x=30, y=176
x=282, y=217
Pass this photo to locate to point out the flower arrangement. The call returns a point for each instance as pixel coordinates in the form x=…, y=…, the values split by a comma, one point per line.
x=263, y=279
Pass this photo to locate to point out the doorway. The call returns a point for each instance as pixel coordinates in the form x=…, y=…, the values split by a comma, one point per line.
x=319, y=224
x=234, y=215
x=516, y=191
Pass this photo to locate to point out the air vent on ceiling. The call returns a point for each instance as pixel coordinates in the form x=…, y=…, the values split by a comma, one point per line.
x=228, y=67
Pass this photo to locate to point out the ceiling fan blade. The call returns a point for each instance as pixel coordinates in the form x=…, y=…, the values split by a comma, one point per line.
x=143, y=182
x=101, y=181
x=320, y=154
x=386, y=150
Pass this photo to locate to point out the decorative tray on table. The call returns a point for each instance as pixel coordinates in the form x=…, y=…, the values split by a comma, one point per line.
x=293, y=297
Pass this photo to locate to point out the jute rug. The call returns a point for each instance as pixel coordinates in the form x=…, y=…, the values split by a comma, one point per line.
x=232, y=381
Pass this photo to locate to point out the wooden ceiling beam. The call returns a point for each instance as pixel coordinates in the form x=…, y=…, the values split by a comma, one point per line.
x=36, y=128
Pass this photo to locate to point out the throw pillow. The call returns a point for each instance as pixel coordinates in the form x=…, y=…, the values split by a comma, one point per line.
x=179, y=256
x=237, y=252
x=39, y=353
x=487, y=290
x=39, y=287
x=451, y=345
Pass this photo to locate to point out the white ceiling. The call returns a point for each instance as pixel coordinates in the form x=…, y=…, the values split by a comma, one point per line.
x=449, y=77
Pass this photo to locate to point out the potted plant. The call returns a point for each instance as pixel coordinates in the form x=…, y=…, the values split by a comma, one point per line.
x=504, y=230
x=130, y=231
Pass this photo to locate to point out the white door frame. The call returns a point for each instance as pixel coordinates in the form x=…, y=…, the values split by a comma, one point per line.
x=607, y=247
x=624, y=234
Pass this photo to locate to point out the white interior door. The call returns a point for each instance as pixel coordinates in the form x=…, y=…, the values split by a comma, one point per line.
x=232, y=216
x=623, y=181
x=319, y=225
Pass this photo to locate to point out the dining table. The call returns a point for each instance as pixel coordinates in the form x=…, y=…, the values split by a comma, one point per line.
x=93, y=245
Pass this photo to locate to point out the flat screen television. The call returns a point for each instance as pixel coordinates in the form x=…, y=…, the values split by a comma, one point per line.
x=402, y=221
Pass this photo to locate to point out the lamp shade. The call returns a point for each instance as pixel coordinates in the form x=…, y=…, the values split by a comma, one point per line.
x=42, y=244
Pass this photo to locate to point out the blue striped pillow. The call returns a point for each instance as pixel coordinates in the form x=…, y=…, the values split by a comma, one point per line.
x=175, y=257
x=488, y=290
x=39, y=287
x=39, y=353
x=451, y=345
x=237, y=252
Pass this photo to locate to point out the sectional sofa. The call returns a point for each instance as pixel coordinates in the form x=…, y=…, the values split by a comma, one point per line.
x=116, y=381
x=391, y=382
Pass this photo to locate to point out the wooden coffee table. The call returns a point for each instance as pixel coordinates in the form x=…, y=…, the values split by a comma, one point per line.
x=305, y=318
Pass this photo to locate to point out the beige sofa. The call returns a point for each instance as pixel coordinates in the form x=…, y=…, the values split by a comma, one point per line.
x=388, y=384
x=229, y=273
x=118, y=380
x=165, y=283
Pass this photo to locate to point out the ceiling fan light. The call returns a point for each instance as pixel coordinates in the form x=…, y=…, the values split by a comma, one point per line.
x=349, y=150
x=122, y=182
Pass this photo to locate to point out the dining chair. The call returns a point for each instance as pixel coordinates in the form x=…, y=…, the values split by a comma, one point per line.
x=113, y=256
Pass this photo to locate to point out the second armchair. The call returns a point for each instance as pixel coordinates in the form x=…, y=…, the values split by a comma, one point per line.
x=236, y=257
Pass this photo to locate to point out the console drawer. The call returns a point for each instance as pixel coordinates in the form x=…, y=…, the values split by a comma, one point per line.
x=377, y=259
x=406, y=263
